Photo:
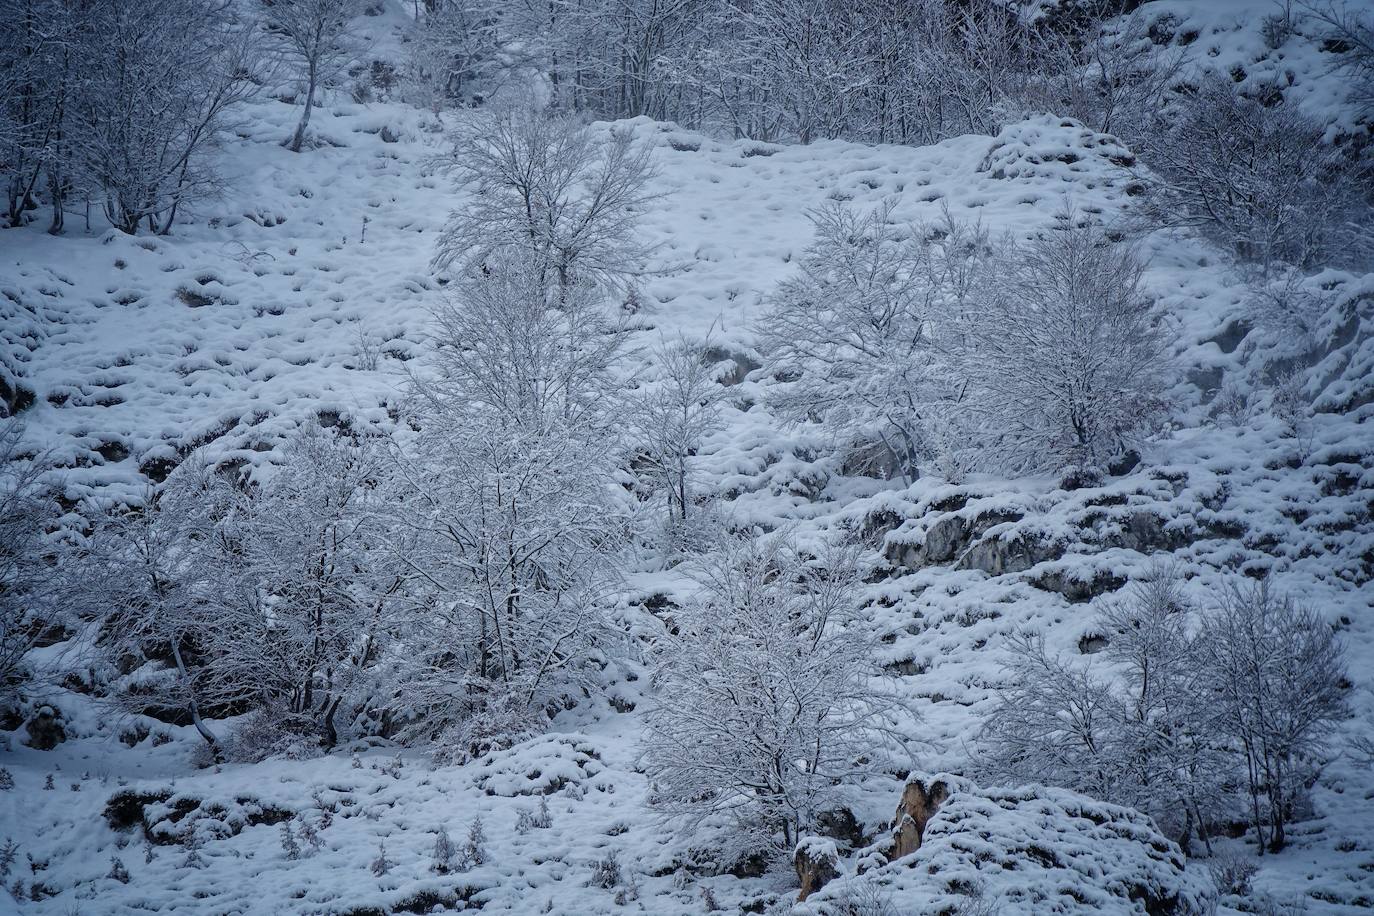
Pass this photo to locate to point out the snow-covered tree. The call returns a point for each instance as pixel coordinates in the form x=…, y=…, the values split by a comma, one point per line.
x=507, y=487
x=767, y=701
x=312, y=539
x=1064, y=357
x=1274, y=671
x=26, y=580
x=566, y=198
x=158, y=83
x=1258, y=177
x=37, y=49
x=457, y=54
x=1136, y=732
x=672, y=417
x=315, y=36
x=856, y=327
x=182, y=611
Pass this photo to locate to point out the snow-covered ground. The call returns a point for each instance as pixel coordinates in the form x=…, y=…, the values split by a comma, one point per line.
x=306, y=291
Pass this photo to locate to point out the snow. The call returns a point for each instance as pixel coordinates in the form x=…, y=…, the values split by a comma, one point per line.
x=306, y=292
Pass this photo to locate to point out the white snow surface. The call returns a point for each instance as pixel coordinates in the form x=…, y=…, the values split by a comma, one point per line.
x=307, y=291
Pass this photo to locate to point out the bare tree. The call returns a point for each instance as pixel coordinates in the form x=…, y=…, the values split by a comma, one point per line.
x=551, y=189
x=315, y=37
x=1275, y=674
x=767, y=704
x=1065, y=359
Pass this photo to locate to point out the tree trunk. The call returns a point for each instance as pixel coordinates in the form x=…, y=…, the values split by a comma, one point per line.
x=192, y=705
x=299, y=138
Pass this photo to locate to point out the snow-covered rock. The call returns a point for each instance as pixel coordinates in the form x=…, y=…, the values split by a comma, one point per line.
x=1028, y=850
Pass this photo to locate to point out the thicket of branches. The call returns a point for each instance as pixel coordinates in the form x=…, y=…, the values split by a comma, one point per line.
x=121, y=106
x=1199, y=715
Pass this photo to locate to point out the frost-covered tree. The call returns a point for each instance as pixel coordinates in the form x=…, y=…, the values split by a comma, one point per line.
x=566, y=198
x=507, y=487
x=1186, y=708
x=1135, y=731
x=856, y=327
x=1275, y=673
x=1064, y=358
x=671, y=418
x=37, y=49
x=182, y=611
x=26, y=579
x=767, y=698
x=1056, y=723
x=159, y=81
x=312, y=540
x=1110, y=75
x=1258, y=177
x=315, y=37
x=458, y=53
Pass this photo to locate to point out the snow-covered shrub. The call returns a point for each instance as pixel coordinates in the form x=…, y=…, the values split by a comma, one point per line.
x=606, y=871
x=1261, y=180
x=381, y=865
x=290, y=849
x=852, y=332
x=1064, y=357
x=765, y=706
x=538, y=819
x=1273, y=671
x=474, y=851
x=444, y=854
x=1232, y=873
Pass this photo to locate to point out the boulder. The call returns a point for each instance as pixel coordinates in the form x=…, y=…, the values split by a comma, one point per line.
x=45, y=729
x=920, y=800
x=817, y=862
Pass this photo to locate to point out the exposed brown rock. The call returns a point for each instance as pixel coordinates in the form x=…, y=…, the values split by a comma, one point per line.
x=918, y=805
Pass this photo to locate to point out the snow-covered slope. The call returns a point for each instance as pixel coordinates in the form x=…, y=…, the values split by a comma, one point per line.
x=305, y=292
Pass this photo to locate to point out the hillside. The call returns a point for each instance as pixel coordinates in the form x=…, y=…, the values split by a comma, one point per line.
x=306, y=292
